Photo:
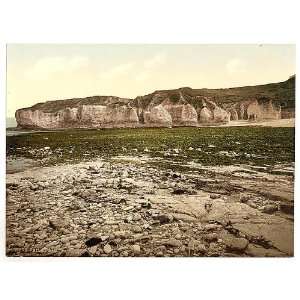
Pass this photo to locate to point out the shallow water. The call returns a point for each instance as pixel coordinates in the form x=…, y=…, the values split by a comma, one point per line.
x=19, y=165
x=14, y=132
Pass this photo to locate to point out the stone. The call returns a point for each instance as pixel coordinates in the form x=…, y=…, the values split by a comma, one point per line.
x=236, y=244
x=252, y=204
x=122, y=234
x=136, y=229
x=178, y=236
x=211, y=227
x=191, y=245
x=184, y=217
x=103, y=237
x=93, y=250
x=107, y=249
x=173, y=243
x=164, y=218
x=136, y=249
x=211, y=237
x=244, y=198
x=115, y=253
x=136, y=217
x=201, y=248
x=270, y=208
x=176, y=250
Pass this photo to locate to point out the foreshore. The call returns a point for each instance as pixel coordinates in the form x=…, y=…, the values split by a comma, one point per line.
x=177, y=192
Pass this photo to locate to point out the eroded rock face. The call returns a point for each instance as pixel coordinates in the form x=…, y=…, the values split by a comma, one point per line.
x=37, y=118
x=182, y=115
x=220, y=115
x=85, y=116
x=256, y=111
x=205, y=115
x=181, y=107
x=233, y=115
x=158, y=116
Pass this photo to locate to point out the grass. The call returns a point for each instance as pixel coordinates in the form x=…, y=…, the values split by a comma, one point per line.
x=208, y=146
x=282, y=93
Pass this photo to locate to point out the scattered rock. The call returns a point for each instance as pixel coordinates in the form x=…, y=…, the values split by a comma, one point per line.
x=270, y=208
x=136, y=217
x=164, y=218
x=211, y=237
x=235, y=244
x=173, y=243
x=244, y=198
x=252, y=204
x=178, y=236
x=184, y=218
x=107, y=249
x=136, y=229
x=212, y=227
x=87, y=214
x=136, y=249
x=93, y=250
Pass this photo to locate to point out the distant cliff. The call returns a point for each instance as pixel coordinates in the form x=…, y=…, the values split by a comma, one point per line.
x=165, y=108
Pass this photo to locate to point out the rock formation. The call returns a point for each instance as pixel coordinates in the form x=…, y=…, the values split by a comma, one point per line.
x=180, y=107
x=158, y=116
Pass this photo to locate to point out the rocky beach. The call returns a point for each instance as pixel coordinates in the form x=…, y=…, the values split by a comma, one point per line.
x=151, y=192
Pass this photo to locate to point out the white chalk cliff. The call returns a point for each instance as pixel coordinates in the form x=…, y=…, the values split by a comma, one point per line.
x=181, y=107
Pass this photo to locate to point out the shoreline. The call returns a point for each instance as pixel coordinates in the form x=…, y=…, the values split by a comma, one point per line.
x=240, y=123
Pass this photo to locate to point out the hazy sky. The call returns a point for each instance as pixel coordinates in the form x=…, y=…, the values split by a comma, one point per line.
x=36, y=73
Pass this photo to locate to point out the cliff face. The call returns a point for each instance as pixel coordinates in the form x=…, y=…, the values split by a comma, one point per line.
x=181, y=107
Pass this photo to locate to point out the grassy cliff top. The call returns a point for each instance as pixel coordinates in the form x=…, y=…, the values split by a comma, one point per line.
x=282, y=93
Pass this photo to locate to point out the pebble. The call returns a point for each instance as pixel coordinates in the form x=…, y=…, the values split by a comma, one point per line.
x=85, y=207
x=164, y=218
x=136, y=249
x=136, y=229
x=211, y=227
x=270, y=208
x=173, y=243
x=93, y=250
x=211, y=237
x=236, y=244
x=136, y=217
x=107, y=249
x=178, y=236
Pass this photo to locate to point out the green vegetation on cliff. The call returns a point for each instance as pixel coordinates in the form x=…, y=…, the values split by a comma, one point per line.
x=282, y=93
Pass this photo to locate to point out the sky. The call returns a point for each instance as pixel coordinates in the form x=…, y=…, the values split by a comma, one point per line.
x=41, y=72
